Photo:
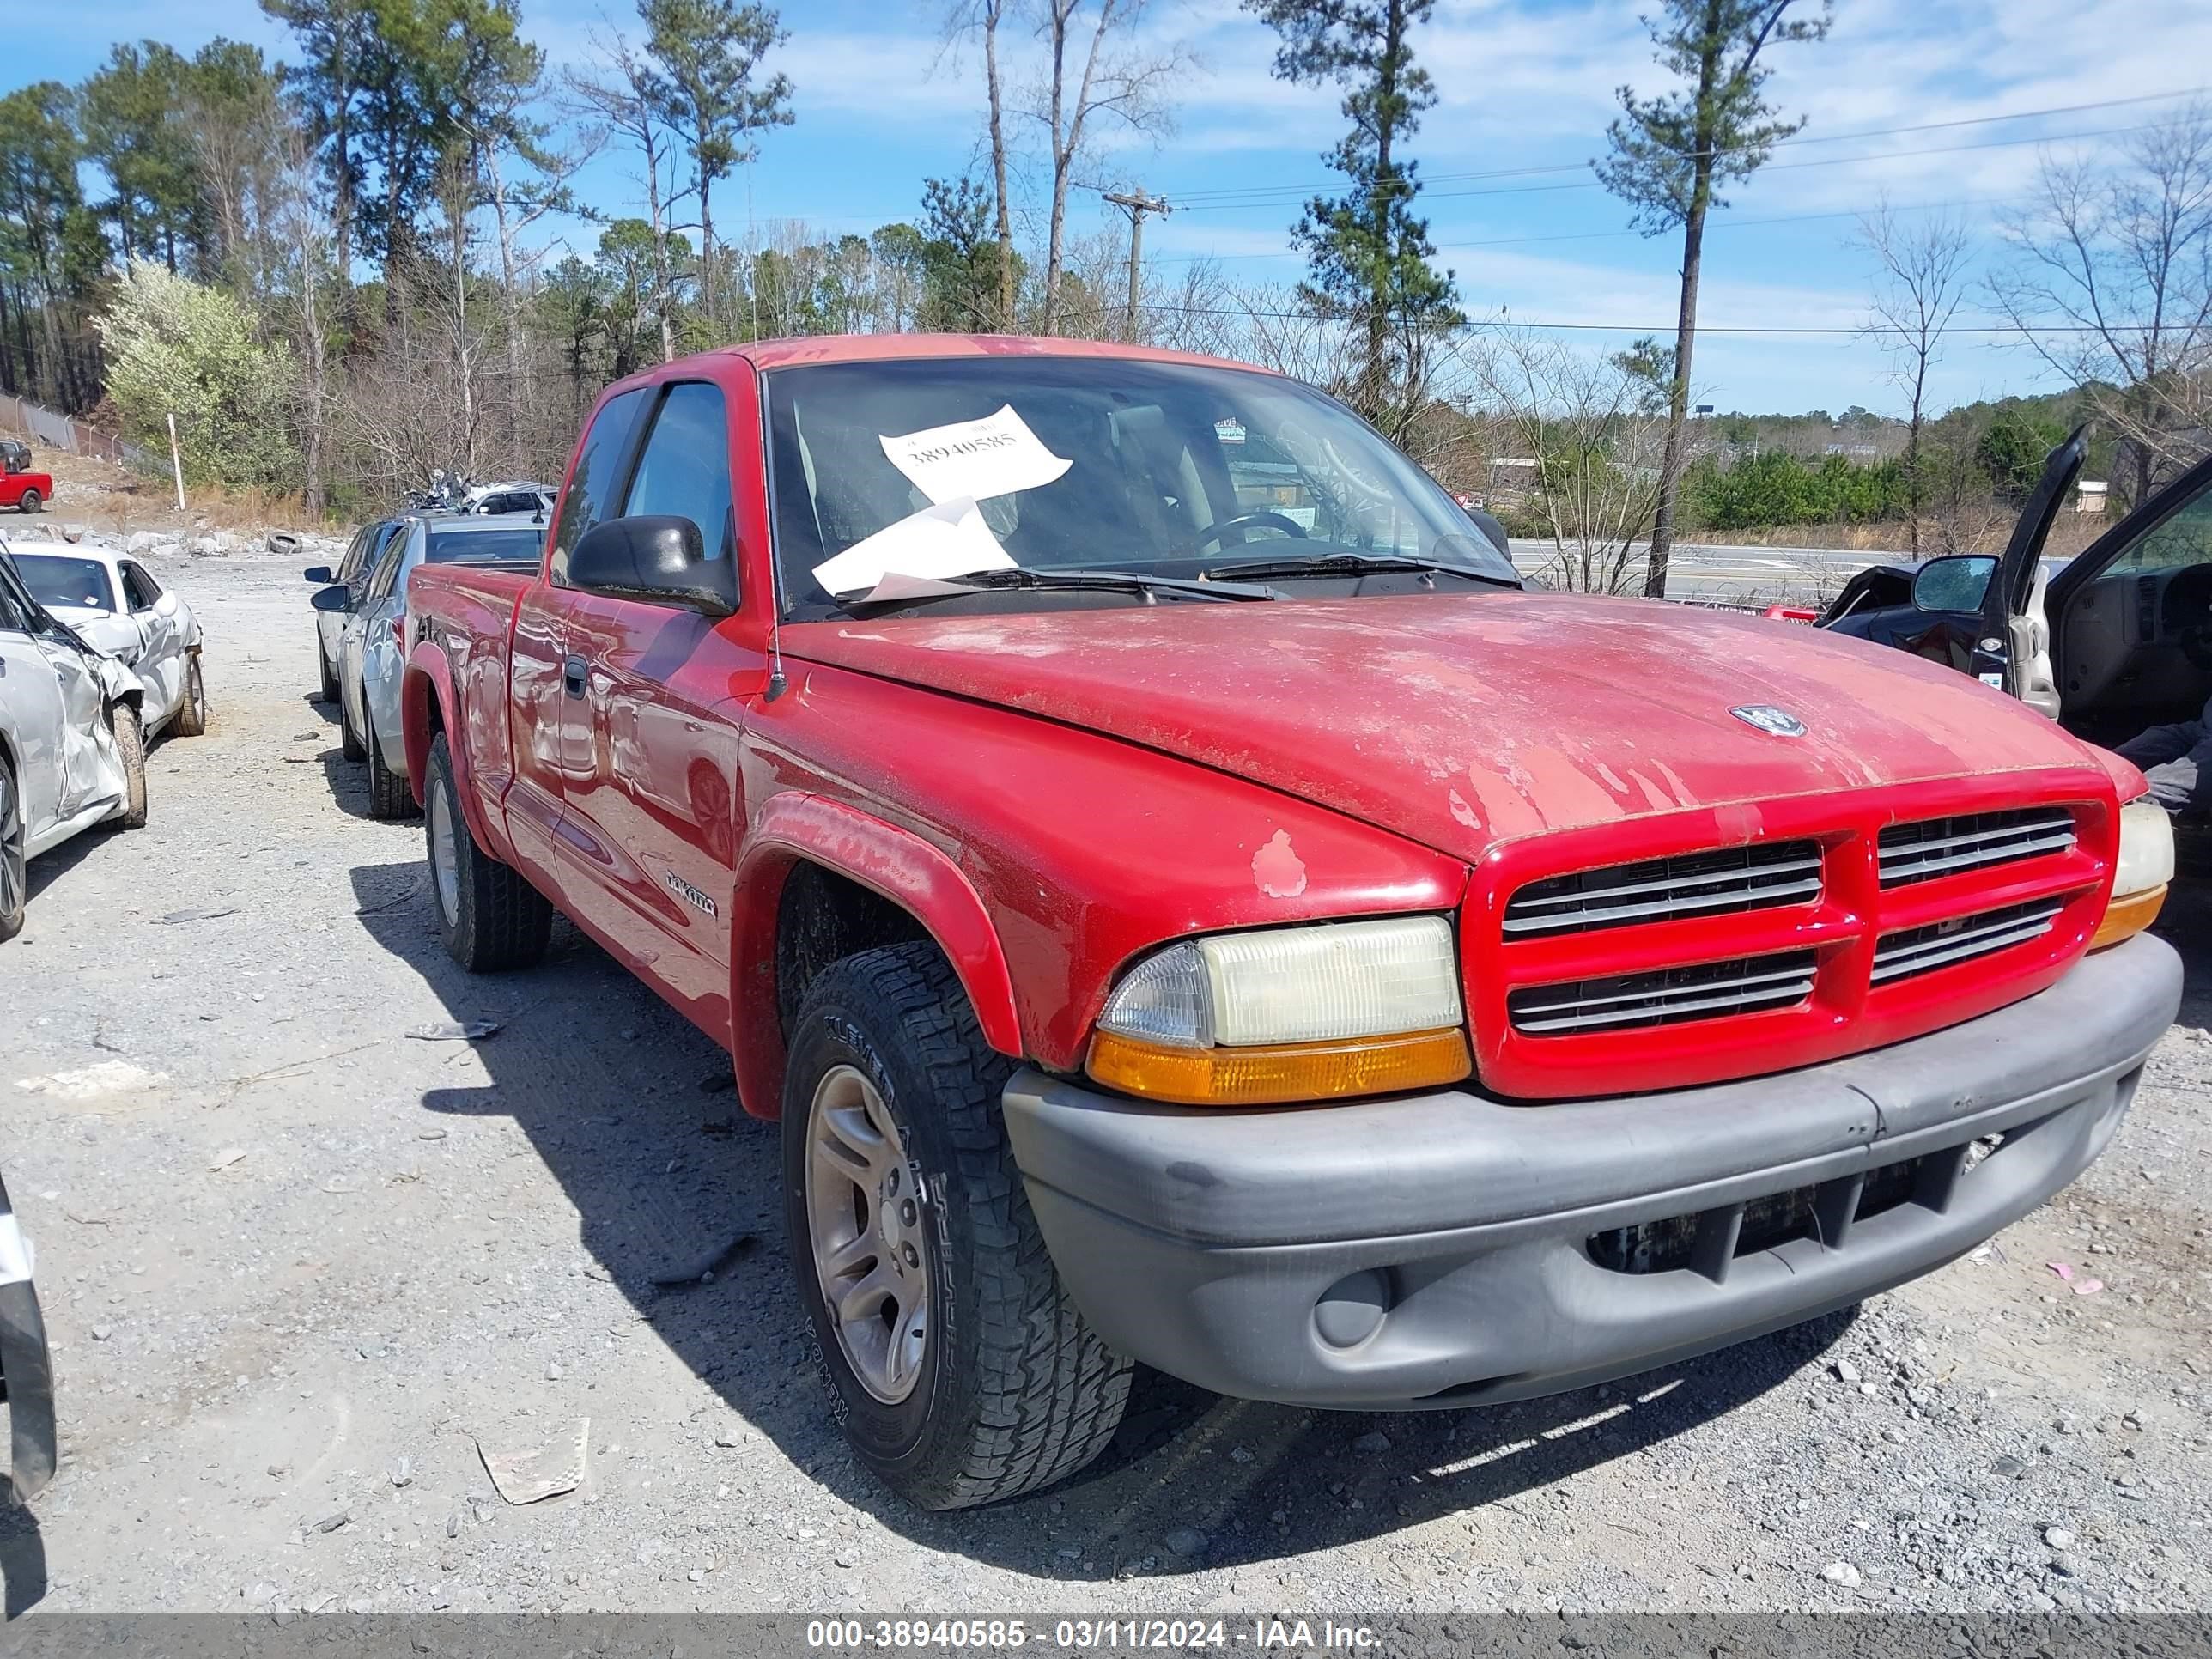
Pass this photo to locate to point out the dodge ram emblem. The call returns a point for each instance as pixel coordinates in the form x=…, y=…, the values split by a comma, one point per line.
x=1775, y=722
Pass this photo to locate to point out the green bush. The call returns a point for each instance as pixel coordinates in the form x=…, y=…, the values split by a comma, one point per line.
x=173, y=347
x=1759, y=492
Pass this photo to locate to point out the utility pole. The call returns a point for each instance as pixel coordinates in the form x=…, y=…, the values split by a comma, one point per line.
x=1136, y=204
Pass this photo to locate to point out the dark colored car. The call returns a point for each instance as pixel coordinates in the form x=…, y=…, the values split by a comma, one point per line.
x=26, y=1370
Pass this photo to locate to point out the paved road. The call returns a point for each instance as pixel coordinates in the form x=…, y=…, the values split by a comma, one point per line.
x=1765, y=575
x=301, y=1267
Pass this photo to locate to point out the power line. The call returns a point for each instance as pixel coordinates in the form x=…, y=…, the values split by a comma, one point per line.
x=1192, y=199
x=1602, y=235
x=1642, y=328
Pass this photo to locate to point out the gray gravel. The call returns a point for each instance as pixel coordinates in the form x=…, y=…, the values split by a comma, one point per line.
x=304, y=1274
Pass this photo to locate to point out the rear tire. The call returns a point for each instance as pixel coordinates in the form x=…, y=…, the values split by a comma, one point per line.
x=999, y=1386
x=191, y=719
x=389, y=794
x=130, y=738
x=489, y=916
x=15, y=879
x=32, y=501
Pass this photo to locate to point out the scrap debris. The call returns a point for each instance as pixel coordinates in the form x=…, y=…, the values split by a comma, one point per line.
x=530, y=1474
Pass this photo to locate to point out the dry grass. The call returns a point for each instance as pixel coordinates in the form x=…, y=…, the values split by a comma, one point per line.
x=115, y=500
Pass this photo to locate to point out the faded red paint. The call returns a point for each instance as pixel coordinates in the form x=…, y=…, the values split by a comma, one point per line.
x=1052, y=794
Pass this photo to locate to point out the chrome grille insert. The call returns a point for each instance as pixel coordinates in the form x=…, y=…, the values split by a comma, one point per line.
x=1664, y=996
x=1940, y=944
x=1942, y=847
x=1716, y=884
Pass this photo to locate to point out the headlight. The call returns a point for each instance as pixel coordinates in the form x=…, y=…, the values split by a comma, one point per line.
x=1315, y=1012
x=2142, y=872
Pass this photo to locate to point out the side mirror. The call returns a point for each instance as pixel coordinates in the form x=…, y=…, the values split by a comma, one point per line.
x=166, y=604
x=1959, y=582
x=336, y=600
x=656, y=559
x=319, y=574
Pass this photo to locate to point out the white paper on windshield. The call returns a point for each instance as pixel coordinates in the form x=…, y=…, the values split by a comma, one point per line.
x=975, y=460
x=949, y=539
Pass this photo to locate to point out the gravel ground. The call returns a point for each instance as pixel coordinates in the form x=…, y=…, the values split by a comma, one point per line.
x=303, y=1270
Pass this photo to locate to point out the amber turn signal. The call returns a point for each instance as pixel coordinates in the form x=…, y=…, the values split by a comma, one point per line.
x=2126, y=917
x=1281, y=1074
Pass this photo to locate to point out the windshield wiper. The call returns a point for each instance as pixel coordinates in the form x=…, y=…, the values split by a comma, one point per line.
x=1096, y=581
x=1356, y=564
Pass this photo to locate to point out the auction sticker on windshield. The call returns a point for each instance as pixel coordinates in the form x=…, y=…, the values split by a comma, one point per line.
x=975, y=460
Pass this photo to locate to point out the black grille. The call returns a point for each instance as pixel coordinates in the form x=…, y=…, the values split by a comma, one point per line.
x=1716, y=884
x=1664, y=996
x=1944, y=847
x=1961, y=939
x=1707, y=1241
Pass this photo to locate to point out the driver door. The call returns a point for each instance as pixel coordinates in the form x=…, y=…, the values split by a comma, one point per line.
x=2131, y=618
x=2013, y=653
x=161, y=664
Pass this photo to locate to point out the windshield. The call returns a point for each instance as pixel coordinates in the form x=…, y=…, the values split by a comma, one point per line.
x=54, y=580
x=931, y=469
x=485, y=546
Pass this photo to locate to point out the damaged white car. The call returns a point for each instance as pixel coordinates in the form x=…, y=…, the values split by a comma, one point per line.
x=113, y=601
x=72, y=748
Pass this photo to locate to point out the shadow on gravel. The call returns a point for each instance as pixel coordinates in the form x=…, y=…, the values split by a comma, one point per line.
x=2186, y=923
x=22, y=1556
x=663, y=1183
x=48, y=868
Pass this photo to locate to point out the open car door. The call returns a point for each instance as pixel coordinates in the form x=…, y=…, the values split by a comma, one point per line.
x=2013, y=653
x=2131, y=618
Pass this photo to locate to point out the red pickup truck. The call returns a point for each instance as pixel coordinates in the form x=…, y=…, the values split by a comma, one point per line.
x=21, y=487
x=1186, y=904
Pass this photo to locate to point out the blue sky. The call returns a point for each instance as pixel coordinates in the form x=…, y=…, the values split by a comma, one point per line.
x=1523, y=84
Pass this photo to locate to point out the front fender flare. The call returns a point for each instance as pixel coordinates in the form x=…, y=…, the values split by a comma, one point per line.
x=796, y=826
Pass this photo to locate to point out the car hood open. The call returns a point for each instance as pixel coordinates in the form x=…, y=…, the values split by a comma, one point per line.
x=1462, y=721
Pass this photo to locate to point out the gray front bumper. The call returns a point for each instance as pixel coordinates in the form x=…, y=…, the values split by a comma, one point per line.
x=27, y=1372
x=1218, y=1246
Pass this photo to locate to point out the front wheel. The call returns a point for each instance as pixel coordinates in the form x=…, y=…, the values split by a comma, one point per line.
x=329, y=691
x=964, y=1373
x=349, y=743
x=490, y=917
x=15, y=880
x=130, y=740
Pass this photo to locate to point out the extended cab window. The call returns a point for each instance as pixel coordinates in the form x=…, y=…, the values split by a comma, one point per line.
x=684, y=468
x=589, y=496
x=1010, y=470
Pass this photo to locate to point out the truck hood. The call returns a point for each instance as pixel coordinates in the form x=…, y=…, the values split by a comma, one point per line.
x=1462, y=721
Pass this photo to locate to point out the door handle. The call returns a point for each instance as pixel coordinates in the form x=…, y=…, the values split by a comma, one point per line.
x=573, y=671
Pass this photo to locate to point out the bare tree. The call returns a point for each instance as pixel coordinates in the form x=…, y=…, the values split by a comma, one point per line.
x=984, y=19
x=1923, y=281
x=622, y=100
x=1579, y=416
x=298, y=221
x=2111, y=286
x=1107, y=74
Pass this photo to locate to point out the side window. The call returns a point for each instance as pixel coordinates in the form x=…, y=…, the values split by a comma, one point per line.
x=684, y=467
x=387, y=567
x=357, y=552
x=2180, y=540
x=139, y=589
x=589, y=496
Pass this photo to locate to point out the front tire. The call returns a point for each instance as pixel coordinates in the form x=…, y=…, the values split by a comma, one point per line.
x=329, y=691
x=15, y=878
x=389, y=794
x=191, y=719
x=349, y=743
x=964, y=1373
x=130, y=738
x=489, y=916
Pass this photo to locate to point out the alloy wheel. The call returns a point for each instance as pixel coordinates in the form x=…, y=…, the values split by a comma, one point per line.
x=445, y=857
x=864, y=1211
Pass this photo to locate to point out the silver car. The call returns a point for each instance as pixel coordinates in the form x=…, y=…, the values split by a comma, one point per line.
x=350, y=578
x=72, y=753
x=112, y=600
x=372, y=652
